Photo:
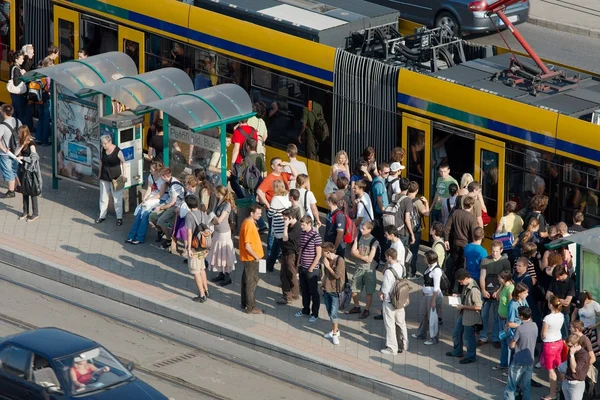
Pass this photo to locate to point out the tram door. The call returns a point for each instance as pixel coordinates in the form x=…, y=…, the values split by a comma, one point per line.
x=66, y=33
x=131, y=42
x=489, y=170
x=416, y=139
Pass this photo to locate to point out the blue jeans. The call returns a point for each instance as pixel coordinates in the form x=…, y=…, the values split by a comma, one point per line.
x=273, y=251
x=469, y=338
x=564, y=330
x=42, y=133
x=414, y=249
x=490, y=306
x=435, y=215
x=519, y=376
x=140, y=226
x=504, y=350
x=332, y=304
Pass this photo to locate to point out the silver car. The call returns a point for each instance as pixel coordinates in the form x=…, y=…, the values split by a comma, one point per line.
x=463, y=16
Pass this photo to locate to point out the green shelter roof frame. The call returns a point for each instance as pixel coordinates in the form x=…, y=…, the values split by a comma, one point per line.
x=93, y=71
x=214, y=107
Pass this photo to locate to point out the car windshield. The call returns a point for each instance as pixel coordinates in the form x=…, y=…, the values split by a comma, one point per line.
x=92, y=370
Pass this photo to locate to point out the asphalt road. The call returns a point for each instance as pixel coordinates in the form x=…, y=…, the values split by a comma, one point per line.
x=561, y=47
x=220, y=368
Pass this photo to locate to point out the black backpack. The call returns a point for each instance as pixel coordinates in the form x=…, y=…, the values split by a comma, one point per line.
x=415, y=218
x=251, y=175
x=14, y=141
x=389, y=188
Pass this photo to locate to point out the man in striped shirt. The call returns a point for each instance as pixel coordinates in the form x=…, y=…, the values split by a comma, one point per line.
x=310, y=255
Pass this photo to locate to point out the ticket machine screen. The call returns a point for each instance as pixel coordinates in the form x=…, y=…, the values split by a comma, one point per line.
x=126, y=135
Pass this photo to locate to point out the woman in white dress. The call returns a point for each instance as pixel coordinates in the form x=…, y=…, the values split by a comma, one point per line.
x=221, y=256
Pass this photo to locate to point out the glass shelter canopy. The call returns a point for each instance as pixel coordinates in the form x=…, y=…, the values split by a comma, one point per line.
x=207, y=108
x=87, y=73
x=135, y=91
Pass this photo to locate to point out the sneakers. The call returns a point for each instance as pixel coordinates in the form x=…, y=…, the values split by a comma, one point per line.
x=281, y=301
x=255, y=311
x=388, y=351
x=100, y=220
x=135, y=242
x=365, y=314
x=336, y=339
x=199, y=299
x=413, y=277
x=32, y=218
x=22, y=217
x=498, y=368
x=330, y=334
x=299, y=314
x=313, y=319
x=430, y=342
x=415, y=336
x=10, y=194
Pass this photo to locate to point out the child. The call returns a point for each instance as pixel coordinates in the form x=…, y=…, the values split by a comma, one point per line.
x=332, y=285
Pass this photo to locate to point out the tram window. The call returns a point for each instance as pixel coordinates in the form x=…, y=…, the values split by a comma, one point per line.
x=20, y=25
x=66, y=39
x=98, y=37
x=132, y=49
x=489, y=181
x=581, y=190
x=4, y=39
x=416, y=156
x=162, y=52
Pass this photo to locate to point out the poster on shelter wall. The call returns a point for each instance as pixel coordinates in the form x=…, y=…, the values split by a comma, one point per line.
x=77, y=141
x=590, y=279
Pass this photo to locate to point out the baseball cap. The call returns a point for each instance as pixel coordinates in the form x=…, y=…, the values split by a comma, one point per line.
x=396, y=166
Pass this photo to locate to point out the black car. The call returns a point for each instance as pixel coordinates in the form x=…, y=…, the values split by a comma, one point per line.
x=53, y=364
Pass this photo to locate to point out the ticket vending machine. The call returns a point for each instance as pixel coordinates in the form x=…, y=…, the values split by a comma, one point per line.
x=126, y=130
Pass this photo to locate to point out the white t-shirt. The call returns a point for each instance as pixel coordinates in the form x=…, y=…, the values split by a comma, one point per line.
x=300, y=168
x=554, y=321
x=436, y=275
x=588, y=313
x=389, y=279
x=310, y=200
x=361, y=211
x=399, y=247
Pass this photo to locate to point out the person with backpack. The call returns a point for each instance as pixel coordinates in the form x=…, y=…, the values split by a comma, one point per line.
x=379, y=198
x=335, y=225
x=196, y=222
x=241, y=134
x=163, y=216
x=449, y=203
x=253, y=168
x=392, y=184
x=333, y=284
x=365, y=249
x=420, y=207
x=468, y=316
x=308, y=201
x=404, y=213
x=9, y=144
x=362, y=201
x=432, y=298
x=459, y=231
x=442, y=191
x=394, y=316
x=314, y=129
x=42, y=106
x=490, y=286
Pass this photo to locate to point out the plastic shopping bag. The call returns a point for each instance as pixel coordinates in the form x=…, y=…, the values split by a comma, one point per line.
x=433, y=323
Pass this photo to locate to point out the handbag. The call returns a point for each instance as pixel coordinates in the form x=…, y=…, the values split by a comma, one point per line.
x=118, y=183
x=507, y=238
x=21, y=88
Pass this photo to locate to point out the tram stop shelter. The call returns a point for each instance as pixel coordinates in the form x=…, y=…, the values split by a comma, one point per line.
x=588, y=256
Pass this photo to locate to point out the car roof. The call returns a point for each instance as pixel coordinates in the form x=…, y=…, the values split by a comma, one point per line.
x=52, y=343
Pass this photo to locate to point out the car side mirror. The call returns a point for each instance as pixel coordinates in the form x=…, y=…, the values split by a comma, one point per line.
x=131, y=366
x=53, y=389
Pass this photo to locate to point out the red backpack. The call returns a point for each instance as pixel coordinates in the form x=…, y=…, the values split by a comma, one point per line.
x=350, y=230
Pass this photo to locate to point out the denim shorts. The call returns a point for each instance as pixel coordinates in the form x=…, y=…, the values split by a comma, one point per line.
x=8, y=166
x=332, y=304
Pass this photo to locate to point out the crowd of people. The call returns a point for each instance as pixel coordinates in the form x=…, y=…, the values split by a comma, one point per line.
x=518, y=295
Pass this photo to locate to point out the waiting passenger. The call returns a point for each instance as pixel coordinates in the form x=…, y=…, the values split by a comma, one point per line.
x=442, y=191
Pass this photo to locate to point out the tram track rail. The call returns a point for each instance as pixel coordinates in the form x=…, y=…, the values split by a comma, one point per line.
x=186, y=346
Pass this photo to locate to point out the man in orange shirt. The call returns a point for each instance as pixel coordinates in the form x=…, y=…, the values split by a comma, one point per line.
x=264, y=195
x=250, y=252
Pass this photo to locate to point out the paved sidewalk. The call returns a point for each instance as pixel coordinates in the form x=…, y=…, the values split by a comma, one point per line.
x=65, y=245
x=581, y=17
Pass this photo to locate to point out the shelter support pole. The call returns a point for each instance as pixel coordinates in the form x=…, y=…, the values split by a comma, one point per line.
x=222, y=136
x=53, y=134
x=166, y=139
x=578, y=268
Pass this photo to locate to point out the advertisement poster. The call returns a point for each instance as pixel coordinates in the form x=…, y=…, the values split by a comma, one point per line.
x=77, y=137
x=591, y=273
